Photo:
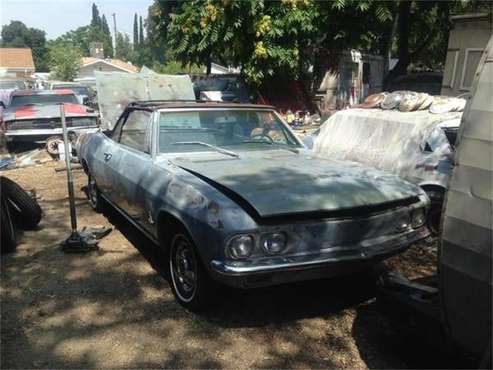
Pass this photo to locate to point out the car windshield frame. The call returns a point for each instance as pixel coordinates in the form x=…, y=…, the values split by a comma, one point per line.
x=63, y=98
x=292, y=141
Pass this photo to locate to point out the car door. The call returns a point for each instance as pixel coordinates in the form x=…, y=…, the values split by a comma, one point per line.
x=134, y=164
x=104, y=163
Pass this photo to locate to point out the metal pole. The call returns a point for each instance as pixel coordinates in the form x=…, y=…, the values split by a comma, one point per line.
x=70, y=182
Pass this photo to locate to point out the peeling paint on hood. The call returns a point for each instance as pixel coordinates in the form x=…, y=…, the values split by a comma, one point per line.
x=278, y=182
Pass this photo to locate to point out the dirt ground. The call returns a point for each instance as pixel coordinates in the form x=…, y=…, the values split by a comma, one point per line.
x=113, y=309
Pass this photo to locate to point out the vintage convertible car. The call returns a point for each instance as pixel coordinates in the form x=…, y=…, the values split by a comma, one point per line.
x=232, y=196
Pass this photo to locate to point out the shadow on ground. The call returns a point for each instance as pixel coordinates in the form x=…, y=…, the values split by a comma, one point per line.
x=110, y=309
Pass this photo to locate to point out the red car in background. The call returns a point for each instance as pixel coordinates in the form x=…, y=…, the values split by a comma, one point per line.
x=34, y=115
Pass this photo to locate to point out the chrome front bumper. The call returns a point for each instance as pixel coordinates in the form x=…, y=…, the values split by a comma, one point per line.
x=326, y=263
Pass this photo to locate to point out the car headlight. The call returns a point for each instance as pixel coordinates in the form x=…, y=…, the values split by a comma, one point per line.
x=273, y=243
x=418, y=218
x=241, y=246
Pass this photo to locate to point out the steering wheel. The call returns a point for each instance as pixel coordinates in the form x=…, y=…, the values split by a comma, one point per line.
x=262, y=135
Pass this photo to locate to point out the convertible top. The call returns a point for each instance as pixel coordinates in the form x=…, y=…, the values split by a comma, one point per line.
x=163, y=104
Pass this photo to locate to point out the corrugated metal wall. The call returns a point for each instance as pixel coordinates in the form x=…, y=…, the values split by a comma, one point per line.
x=465, y=265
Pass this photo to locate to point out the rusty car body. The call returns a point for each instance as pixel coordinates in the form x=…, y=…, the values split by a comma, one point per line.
x=34, y=115
x=232, y=196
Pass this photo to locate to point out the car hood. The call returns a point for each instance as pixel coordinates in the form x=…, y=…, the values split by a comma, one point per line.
x=45, y=111
x=278, y=183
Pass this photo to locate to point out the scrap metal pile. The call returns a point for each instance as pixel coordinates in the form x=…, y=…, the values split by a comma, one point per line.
x=410, y=101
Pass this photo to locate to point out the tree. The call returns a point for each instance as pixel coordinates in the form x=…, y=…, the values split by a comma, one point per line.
x=262, y=37
x=136, y=32
x=96, y=19
x=65, y=61
x=173, y=67
x=141, y=32
x=82, y=37
x=17, y=34
x=158, y=19
x=79, y=38
x=123, y=47
x=106, y=36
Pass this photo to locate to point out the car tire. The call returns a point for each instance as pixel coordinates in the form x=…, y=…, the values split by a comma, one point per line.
x=25, y=211
x=437, y=197
x=94, y=195
x=8, y=237
x=192, y=287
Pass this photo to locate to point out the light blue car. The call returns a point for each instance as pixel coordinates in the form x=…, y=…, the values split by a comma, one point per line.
x=231, y=196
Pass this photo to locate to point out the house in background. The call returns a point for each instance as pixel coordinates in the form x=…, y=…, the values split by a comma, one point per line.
x=16, y=62
x=97, y=62
x=90, y=64
x=217, y=69
x=467, y=42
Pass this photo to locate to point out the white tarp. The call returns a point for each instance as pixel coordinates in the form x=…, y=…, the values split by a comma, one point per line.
x=392, y=141
x=117, y=89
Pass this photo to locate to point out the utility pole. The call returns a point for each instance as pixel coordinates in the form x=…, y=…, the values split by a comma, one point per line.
x=114, y=32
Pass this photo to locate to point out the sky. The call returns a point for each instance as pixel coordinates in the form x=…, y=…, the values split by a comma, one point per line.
x=57, y=17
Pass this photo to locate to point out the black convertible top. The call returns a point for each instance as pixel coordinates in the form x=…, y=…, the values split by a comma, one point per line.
x=159, y=104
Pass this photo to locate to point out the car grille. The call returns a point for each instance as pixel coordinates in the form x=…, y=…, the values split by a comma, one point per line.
x=51, y=123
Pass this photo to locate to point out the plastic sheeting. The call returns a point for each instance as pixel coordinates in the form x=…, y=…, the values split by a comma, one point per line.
x=411, y=145
x=117, y=89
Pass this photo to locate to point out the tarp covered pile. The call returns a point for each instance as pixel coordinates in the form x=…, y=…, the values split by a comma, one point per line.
x=410, y=101
x=388, y=139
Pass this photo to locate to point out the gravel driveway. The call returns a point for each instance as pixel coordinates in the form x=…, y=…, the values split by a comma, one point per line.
x=113, y=308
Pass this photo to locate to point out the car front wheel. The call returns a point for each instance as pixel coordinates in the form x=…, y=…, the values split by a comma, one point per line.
x=93, y=194
x=191, y=285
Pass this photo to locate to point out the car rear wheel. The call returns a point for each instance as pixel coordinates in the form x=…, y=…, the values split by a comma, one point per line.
x=191, y=285
x=93, y=194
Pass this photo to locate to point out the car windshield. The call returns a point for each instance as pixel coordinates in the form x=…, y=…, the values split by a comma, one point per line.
x=19, y=100
x=78, y=90
x=236, y=129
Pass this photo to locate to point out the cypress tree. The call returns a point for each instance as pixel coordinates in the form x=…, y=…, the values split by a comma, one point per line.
x=136, y=33
x=96, y=19
x=108, y=44
x=141, y=33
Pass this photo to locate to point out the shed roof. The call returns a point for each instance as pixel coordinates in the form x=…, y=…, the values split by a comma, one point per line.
x=118, y=63
x=16, y=58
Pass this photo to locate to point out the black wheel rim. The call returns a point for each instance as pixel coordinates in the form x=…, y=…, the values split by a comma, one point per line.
x=183, y=269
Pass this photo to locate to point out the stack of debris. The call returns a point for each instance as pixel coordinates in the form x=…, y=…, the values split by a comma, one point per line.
x=410, y=101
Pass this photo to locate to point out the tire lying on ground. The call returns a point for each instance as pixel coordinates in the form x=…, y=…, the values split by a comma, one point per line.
x=8, y=236
x=25, y=211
